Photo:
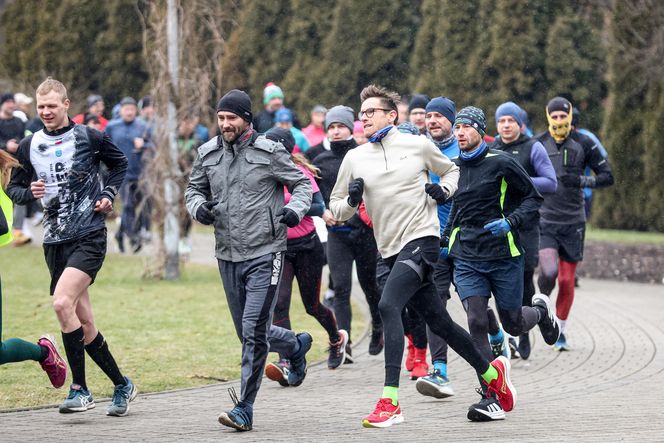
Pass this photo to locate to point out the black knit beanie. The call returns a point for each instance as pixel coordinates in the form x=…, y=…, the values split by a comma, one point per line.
x=283, y=136
x=237, y=102
x=419, y=101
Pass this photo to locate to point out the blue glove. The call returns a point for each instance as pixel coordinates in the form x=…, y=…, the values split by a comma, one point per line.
x=498, y=227
x=444, y=252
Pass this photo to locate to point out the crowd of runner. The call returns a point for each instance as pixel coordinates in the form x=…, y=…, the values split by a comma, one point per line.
x=412, y=194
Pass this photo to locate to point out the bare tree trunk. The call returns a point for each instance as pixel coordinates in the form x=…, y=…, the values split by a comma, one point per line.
x=183, y=49
x=171, y=225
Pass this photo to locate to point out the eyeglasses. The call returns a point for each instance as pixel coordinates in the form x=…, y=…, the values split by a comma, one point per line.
x=370, y=112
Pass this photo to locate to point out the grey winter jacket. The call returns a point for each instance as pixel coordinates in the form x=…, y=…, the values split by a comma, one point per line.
x=247, y=180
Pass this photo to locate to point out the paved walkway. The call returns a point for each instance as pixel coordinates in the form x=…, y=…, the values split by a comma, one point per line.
x=608, y=388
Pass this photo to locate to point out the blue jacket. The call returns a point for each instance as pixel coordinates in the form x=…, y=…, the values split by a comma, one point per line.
x=450, y=151
x=123, y=134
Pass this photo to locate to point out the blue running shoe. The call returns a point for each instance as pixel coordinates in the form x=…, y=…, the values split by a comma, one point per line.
x=561, y=344
x=298, y=361
x=500, y=347
x=434, y=385
x=78, y=400
x=122, y=395
x=240, y=417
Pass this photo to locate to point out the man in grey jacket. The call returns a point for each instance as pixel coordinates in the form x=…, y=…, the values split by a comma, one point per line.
x=237, y=185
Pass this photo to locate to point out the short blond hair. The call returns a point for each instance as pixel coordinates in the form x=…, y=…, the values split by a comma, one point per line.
x=51, y=84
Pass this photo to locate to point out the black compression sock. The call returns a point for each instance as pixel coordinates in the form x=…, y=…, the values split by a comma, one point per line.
x=75, y=350
x=494, y=327
x=100, y=354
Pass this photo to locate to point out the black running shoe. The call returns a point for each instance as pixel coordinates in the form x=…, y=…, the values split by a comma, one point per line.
x=338, y=351
x=524, y=346
x=514, y=351
x=349, y=354
x=377, y=341
x=488, y=409
x=548, y=324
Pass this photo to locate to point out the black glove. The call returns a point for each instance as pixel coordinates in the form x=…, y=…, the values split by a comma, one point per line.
x=436, y=192
x=571, y=180
x=204, y=213
x=355, y=191
x=289, y=217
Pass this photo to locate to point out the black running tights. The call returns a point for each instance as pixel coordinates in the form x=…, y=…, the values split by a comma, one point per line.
x=342, y=249
x=405, y=284
x=307, y=267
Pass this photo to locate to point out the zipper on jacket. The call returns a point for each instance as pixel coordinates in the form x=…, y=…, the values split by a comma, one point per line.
x=269, y=213
x=384, y=154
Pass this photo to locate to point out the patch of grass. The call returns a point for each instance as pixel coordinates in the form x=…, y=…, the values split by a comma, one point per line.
x=630, y=237
x=164, y=335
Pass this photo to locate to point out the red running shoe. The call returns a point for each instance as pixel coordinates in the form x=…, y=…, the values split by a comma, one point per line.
x=420, y=366
x=502, y=386
x=385, y=415
x=54, y=366
x=410, y=357
x=278, y=371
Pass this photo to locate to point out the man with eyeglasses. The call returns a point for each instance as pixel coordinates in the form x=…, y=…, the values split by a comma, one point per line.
x=390, y=173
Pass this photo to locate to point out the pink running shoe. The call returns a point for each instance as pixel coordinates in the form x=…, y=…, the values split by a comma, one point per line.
x=54, y=366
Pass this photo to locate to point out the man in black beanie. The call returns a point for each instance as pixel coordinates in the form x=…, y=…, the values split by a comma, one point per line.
x=237, y=185
x=417, y=111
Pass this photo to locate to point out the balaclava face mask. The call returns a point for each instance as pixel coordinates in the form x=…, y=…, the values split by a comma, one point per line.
x=559, y=130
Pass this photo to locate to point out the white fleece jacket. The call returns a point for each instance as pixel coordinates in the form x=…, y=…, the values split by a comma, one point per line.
x=395, y=171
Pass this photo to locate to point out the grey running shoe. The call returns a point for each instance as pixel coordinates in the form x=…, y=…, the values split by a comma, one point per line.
x=434, y=385
x=122, y=395
x=78, y=400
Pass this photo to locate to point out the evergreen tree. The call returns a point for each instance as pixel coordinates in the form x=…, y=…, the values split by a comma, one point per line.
x=575, y=62
x=441, y=63
x=514, y=58
x=61, y=38
x=366, y=43
x=653, y=140
x=255, y=55
x=123, y=30
x=423, y=65
x=308, y=26
x=478, y=83
x=624, y=205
